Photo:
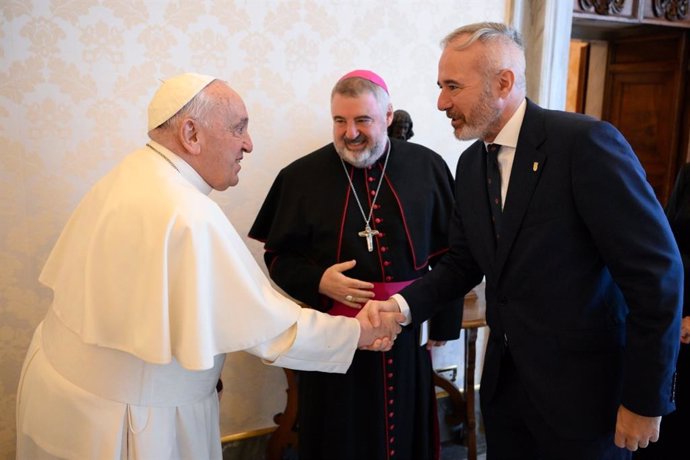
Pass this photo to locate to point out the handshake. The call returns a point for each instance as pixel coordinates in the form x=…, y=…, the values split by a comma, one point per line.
x=379, y=323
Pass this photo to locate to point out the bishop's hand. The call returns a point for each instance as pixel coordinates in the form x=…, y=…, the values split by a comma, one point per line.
x=685, y=330
x=348, y=291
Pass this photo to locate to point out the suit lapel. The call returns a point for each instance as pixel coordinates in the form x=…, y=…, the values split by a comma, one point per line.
x=527, y=167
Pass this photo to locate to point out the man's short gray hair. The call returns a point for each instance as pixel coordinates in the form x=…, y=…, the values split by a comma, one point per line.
x=484, y=32
x=505, y=48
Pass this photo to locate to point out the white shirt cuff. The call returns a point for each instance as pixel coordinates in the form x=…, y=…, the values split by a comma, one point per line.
x=404, y=308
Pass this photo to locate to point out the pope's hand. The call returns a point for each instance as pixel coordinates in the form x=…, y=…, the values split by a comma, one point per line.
x=381, y=336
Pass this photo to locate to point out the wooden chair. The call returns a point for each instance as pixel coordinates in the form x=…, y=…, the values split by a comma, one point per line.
x=473, y=318
x=285, y=436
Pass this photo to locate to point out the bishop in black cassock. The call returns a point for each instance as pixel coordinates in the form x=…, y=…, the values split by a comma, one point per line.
x=384, y=406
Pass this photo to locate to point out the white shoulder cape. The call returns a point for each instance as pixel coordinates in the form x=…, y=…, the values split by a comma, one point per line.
x=148, y=264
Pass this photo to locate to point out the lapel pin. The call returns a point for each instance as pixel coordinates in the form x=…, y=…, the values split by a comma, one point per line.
x=535, y=166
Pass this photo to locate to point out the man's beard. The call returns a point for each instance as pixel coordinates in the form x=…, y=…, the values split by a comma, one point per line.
x=363, y=158
x=483, y=118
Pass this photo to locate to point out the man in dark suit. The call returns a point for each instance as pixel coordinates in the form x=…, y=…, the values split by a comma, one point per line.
x=583, y=277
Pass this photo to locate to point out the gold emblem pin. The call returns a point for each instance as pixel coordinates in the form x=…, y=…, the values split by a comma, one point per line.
x=535, y=166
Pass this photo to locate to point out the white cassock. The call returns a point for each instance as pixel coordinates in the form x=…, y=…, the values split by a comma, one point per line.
x=151, y=286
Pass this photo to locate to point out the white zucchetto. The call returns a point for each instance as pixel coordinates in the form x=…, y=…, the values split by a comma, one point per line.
x=173, y=94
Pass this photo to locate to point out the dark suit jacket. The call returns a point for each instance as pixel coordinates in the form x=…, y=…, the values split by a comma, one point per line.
x=586, y=281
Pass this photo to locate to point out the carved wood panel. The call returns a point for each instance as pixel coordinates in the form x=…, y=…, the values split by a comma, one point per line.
x=672, y=13
x=604, y=6
x=610, y=10
x=643, y=98
x=666, y=12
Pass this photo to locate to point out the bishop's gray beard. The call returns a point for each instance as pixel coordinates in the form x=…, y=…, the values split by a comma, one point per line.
x=364, y=158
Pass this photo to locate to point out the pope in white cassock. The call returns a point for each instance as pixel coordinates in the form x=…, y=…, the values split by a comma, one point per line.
x=152, y=286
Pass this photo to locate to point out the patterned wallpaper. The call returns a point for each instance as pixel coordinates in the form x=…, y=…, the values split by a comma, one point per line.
x=76, y=77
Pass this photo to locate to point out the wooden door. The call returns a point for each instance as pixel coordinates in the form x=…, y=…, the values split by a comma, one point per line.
x=644, y=99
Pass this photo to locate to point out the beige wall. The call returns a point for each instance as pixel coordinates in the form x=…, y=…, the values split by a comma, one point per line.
x=75, y=79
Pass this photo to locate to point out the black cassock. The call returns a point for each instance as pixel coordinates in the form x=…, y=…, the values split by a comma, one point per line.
x=384, y=406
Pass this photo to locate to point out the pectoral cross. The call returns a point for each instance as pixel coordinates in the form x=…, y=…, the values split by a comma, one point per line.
x=369, y=234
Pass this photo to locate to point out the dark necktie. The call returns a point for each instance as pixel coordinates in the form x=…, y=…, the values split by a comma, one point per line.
x=493, y=184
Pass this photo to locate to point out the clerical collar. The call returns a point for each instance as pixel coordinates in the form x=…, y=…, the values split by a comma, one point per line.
x=182, y=166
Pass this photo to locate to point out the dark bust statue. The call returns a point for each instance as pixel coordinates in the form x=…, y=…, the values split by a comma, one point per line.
x=401, y=127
